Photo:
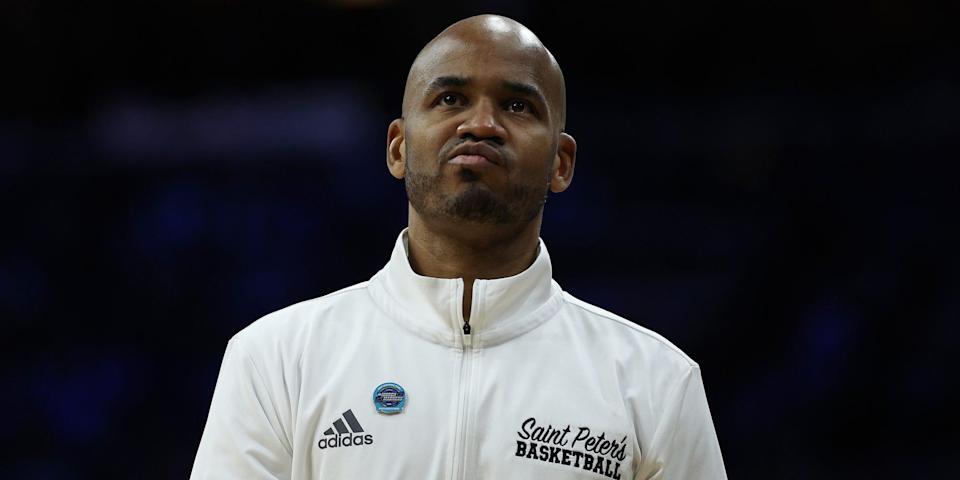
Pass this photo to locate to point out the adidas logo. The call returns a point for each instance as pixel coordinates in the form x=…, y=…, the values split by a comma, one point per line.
x=339, y=435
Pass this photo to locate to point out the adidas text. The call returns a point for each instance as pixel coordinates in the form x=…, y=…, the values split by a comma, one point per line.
x=345, y=440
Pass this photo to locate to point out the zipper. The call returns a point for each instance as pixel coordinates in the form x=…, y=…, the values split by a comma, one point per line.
x=467, y=339
x=465, y=386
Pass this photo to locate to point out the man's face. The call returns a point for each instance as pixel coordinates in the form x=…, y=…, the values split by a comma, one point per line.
x=480, y=133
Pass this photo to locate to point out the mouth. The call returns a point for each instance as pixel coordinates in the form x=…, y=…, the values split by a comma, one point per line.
x=470, y=160
x=475, y=155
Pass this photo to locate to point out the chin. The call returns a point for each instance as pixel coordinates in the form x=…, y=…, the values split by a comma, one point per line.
x=479, y=204
x=468, y=175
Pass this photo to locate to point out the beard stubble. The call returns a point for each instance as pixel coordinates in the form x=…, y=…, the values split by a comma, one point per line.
x=521, y=202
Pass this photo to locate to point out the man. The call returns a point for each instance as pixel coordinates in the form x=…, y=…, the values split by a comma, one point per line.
x=462, y=358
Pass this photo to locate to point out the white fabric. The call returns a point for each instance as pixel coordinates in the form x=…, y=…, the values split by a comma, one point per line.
x=537, y=363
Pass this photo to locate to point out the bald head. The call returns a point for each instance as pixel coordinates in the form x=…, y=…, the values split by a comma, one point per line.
x=490, y=38
x=481, y=141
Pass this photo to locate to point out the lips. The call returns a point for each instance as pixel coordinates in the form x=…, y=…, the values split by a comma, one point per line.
x=475, y=154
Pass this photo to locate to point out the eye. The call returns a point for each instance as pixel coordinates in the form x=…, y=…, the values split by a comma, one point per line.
x=449, y=99
x=518, y=106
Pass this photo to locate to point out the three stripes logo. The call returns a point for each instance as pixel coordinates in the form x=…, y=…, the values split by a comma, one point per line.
x=345, y=435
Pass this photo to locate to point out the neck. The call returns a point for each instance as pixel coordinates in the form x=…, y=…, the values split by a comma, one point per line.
x=471, y=251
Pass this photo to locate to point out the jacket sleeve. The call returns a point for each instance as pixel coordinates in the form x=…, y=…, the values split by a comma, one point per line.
x=685, y=445
x=244, y=436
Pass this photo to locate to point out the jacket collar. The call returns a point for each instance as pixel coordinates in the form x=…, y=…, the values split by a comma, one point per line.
x=501, y=308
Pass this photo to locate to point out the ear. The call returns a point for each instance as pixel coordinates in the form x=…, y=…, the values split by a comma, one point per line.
x=563, y=163
x=396, y=153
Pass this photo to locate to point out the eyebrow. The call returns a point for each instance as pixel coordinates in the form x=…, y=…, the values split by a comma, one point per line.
x=448, y=81
x=440, y=83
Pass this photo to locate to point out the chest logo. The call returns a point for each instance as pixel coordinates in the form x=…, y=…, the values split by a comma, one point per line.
x=389, y=398
x=579, y=448
x=349, y=434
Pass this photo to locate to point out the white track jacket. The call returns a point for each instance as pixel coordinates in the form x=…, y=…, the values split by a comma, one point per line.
x=544, y=386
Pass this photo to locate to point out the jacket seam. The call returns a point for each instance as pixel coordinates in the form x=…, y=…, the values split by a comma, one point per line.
x=310, y=301
x=256, y=370
x=632, y=326
x=683, y=401
x=357, y=286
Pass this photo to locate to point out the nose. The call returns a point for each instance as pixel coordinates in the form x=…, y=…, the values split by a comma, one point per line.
x=483, y=123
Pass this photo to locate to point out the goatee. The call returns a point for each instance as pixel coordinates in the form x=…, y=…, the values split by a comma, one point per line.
x=521, y=203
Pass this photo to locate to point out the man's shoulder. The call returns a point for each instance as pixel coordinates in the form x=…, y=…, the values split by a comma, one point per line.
x=291, y=322
x=633, y=334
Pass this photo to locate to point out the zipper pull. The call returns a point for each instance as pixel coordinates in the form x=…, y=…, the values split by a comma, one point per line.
x=467, y=338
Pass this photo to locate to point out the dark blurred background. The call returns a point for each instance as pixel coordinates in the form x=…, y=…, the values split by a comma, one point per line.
x=768, y=184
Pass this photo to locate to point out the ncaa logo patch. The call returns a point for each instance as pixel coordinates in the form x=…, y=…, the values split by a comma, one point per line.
x=389, y=398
